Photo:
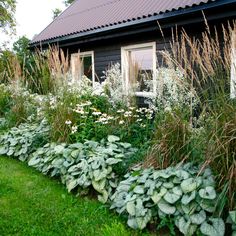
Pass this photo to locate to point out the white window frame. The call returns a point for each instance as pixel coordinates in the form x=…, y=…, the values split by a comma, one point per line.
x=84, y=54
x=125, y=70
x=233, y=67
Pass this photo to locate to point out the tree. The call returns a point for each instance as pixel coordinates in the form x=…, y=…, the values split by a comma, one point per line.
x=68, y=2
x=7, y=11
x=58, y=11
x=21, y=48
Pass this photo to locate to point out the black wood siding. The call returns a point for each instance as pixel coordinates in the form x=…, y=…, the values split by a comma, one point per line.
x=108, y=51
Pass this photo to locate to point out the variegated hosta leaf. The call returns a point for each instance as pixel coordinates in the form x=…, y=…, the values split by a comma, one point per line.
x=71, y=185
x=104, y=197
x=113, y=161
x=112, y=139
x=130, y=207
x=188, y=197
x=198, y=218
x=139, y=189
x=207, y=193
x=172, y=197
x=157, y=196
x=99, y=185
x=213, y=227
x=185, y=226
x=166, y=208
x=188, y=185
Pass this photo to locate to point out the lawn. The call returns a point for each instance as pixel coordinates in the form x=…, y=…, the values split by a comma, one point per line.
x=33, y=204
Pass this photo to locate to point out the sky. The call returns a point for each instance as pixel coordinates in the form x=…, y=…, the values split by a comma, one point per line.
x=32, y=16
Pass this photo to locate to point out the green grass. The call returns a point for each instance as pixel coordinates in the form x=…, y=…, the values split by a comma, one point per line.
x=33, y=204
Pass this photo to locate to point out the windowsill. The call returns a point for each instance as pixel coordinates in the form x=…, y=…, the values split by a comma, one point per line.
x=145, y=94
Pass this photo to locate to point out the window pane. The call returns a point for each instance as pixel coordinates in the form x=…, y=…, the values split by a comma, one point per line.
x=141, y=69
x=86, y=67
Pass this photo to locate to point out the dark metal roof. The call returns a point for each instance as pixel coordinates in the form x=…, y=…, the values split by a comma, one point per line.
x=90, y=15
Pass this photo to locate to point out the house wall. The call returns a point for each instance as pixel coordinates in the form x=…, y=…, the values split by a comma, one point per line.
x=108, y=51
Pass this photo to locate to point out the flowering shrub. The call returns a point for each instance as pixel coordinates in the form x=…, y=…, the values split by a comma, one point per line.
x=131, y=125
x=112, y=85
x=172, y=91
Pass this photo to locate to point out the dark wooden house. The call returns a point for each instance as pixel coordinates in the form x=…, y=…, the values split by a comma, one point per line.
x=110, y=31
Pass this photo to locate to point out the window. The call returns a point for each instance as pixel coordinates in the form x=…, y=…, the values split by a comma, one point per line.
x=139, y=68
x=82, y=63
x=233, y=67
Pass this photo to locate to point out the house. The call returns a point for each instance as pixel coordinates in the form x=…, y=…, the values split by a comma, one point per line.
x=97, y=33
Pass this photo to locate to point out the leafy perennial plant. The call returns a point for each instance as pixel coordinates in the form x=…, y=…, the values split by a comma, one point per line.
x=81, y=166
x=181, y=194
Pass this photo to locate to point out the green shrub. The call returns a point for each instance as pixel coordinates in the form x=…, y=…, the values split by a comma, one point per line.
x=180, y=193
x=5, y=100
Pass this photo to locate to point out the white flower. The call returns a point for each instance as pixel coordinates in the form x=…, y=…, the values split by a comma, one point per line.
x=121, y=122
x=79, y=110
x=74, y=129
x=128, y=114
x=168, y=109
x=68, y=122
x=143, y=126
x=87, y=103
x=139, y=120
x=131, y=108
x=121, y=111
x=96, y=113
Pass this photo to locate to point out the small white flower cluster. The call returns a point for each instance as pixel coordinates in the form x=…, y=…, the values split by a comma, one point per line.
x=105, y=119
x=172, y=91
x=112, y=85
x=74, y=128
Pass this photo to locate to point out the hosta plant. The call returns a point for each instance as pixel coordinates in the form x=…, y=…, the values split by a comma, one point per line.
x=21, y=141
x=179, y=193
x=232, y=220
x=81, y=166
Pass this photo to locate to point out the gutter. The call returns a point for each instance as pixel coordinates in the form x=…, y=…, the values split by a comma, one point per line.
x=117, y=26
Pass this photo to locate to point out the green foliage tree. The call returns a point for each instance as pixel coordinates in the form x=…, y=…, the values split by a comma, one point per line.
x=6, y=57
x=57, y=11
x=68, y=2
x=7, y=11
x=21, y=48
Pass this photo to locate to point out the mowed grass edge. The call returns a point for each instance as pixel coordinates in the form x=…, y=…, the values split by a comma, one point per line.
x=33, y=204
